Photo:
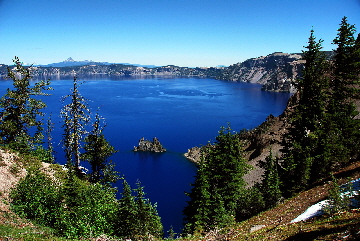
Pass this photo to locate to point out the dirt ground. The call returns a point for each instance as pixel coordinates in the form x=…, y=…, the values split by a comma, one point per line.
x=11, y=170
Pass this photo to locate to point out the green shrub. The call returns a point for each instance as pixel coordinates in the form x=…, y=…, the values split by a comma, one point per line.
x=36, y=197
x=89, y=210
x=250, y=204
x=74, y=209
x=43, y=154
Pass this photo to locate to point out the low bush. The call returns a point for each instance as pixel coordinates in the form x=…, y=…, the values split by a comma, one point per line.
x=36, y=197
x=89, y=209
x=73, y=208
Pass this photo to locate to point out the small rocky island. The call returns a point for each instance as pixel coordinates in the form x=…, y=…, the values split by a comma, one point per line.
x=151, y=146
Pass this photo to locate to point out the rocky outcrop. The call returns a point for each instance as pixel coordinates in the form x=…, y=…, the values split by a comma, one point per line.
x=194, y=154
x=275, y=71
x=256, y=141
x=259, y=141
x=151, y=146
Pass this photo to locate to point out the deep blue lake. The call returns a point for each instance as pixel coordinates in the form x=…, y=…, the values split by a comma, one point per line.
x=180, y=112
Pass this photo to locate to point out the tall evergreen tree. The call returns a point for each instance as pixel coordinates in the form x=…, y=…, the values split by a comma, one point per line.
x=46, y=152
x=149, y=222
x=218, y=185
x=302, y=146
x=344, y=90
x=49, y=140
x=344, y=73
x=324, y=133
x=97, y=151
x=357, y=54
x=76, y=116
x=21, y=110
x=270, y=185
x=137, y=217
x=313, y=101
x=198, y=211
x=228, y=167
x=126, y=218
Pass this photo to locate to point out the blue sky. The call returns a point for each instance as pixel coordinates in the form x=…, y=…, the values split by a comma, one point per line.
x=161, y=32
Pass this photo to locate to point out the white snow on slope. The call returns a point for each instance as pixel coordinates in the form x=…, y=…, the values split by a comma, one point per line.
x=317, y=209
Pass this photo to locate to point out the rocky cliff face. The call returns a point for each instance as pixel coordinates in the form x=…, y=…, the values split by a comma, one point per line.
x=275, y=71
x=259, y=141
x=118, y=70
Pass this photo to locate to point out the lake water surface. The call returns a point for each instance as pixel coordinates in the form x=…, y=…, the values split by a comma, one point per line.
x=180, y=112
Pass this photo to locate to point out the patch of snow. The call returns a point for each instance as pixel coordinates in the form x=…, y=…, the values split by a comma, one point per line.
x=313, y=211
x=317, y=209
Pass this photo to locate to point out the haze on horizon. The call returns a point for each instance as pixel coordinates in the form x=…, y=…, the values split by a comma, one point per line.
x=191, y=33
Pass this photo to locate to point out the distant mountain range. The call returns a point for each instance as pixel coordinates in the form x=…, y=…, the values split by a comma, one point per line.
x=71, y=62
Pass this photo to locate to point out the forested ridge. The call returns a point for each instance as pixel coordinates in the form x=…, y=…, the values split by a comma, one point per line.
x=322, y=138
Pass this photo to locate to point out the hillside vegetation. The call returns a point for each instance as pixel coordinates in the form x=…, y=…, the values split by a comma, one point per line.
x=274, y=223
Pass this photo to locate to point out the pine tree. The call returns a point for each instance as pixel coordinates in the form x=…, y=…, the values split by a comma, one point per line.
x=312, y=108
x=357, y=54
x=270, y=185
x=46, y=152
x=148, y=221
x=97, y=151
x=324, y=133
x=21, y=110
x=218, y=185
x=138, y=219
x=302, y=147
x=344, y=72
x=198, y=211
x=228, y=166
x=126, y=218
x=171, y=233
x=339, y=197
x=49, y=139
x=344, y=90
x=76, y=116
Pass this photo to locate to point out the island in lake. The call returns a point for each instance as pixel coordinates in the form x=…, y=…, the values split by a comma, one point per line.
x=151, y=146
